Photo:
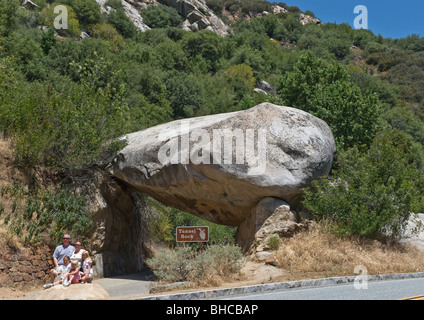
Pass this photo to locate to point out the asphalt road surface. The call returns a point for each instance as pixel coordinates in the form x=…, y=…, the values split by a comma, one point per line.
x=376, y=290
x=127, y=286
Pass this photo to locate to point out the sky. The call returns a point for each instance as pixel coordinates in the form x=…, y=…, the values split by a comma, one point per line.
x=392, y=19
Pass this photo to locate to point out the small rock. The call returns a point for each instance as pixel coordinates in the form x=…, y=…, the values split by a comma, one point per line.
x=263, y=255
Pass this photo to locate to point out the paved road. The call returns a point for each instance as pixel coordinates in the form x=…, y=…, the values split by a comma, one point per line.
x=377, y=290
x=127, y=286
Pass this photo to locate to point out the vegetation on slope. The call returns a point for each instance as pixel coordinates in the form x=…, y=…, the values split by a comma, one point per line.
x=65, y=100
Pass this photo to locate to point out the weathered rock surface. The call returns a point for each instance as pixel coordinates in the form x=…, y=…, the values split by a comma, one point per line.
x=271, y=216
x=198, y=16
x=185, y=164
x=117, y=239
x=88, y=291
x=415, y=232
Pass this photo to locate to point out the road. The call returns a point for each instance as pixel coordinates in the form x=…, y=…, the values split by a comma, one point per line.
x=377, y=290
x=126, y=286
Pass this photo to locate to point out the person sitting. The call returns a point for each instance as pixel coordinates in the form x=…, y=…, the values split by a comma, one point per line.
x=59, y=253
x=61, y=271
x=73, y=276
x=87, y=267
x=77, y=254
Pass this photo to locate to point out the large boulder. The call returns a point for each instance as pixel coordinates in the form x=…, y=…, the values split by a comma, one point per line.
x=88, y=291
x=219, y=167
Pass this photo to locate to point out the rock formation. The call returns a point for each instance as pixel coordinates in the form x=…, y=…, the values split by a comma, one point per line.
x=87, y=291
x=196, y=14
x=271, y=216
x=220, y=167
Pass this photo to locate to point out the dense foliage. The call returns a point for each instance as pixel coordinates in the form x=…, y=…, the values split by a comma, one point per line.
x=372, y=193
x=65, y=100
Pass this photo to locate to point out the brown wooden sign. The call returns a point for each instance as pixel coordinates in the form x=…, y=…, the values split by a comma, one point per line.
x=192, y=234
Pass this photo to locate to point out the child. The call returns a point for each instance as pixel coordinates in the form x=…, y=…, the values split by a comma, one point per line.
x=73, y=275
x=61, y=272
x=87, y=274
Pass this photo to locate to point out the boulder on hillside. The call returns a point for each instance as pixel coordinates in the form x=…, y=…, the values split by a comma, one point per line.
x=87, y=291
x=219, y=167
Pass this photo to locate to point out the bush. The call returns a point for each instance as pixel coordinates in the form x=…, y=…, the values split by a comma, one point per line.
x=109, y=33
x=53, y=211
x=88, y=12
x=325, y=90
x=48, y=17
x=216, y=6
x=161, y=16
x=184, y=93
x=69, y=130
x=210, y=265
x=241, y=78
x=373, y=194
x=122, y=23
x=8, y=16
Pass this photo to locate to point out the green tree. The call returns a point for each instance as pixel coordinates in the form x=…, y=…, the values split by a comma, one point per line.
x=241, y=78
x=161, y=16
x=48, y=41
x=70, y=129
x=122, y=23
x=206, y=45
x=8, y=16
x=325, y=90
x=22, y=44
x=373, y=194
x=45, y=210
x=87, y=11
x=47, y=16
x=185, y=95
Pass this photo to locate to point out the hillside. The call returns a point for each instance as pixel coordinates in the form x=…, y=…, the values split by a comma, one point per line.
x=67, y=95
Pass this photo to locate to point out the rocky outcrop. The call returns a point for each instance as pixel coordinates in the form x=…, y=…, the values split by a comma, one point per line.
x=221, y=166
x=87, y=291
x=270, y=217
x=306, y=19
x=197, y=15
x=117, y=240
x=414, y=233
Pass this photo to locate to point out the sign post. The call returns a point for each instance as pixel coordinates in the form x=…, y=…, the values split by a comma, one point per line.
x=192, y=234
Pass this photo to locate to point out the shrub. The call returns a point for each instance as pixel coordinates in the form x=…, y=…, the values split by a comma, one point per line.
x=373, y=194
x=184, y=93
x=69, y=130
x=88, y=12
x=273, y=242
x=325, y=90
x=242, y=79
x=172, y=265
x=161, y=16
x=48, y=16
x=109, y=33
x=8, y=16
x=46, y=210
x=207, y=266
x=122, y=23
x=216, y=6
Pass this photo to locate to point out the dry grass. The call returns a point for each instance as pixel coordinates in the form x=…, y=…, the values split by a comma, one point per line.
x=318, y=253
